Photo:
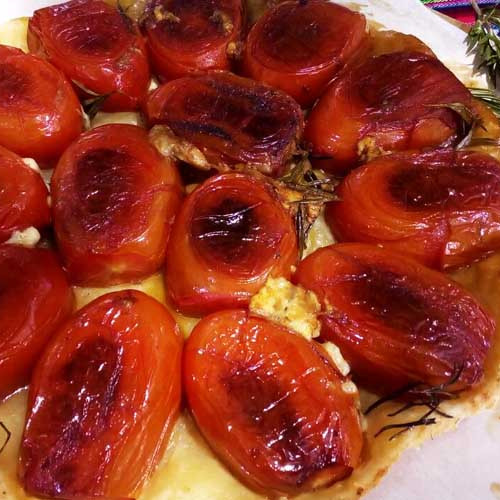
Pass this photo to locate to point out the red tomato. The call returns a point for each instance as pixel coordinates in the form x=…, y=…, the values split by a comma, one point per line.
x=387, y=103
x=299, y=47
x=396, y=321
x=270, y=404
x=97, y=47
x=103, y=400
x=114, y=201
x=23, y=196
x=231, y=120
x=442, y=207
x=187, y=37
x=39, y=111
x=34, y=299
x=231, y=234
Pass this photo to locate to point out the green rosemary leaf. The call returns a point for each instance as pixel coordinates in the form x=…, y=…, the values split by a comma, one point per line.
x=489, y=97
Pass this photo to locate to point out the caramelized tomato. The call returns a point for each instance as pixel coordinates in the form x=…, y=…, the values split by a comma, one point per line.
x=39, y=112
x=393, y=102
x=231, y=120
x=299, y=47
x=230, y=235
x=34, y=299
x=189, y=36
x=98, y=48
x=442, y=208
x=270, y=404
x=396, y=321
x=114, y=201
x=103, y=400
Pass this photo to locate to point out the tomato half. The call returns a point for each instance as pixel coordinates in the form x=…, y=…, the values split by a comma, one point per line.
x=103, y=400
x=34, y=299
x=299, y=47
x=97, y=47
x=270, y=404
x=396, y=321
x=231, y=234
x=114, y=200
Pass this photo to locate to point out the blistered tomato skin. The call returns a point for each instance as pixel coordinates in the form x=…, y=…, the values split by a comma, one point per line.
x=231, y=234
x=270, y=404
x=188, y=37
x=114, y=200
x=96, y=47
x=231, y=120
x=34, y=299
x=396, y=321
x=38, y=96
x=442, y=207
x=299, y=47
x=103, y=400
x=392, y=102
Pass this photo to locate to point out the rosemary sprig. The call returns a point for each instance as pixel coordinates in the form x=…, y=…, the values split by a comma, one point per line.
x=8, y=436
x=489, y=97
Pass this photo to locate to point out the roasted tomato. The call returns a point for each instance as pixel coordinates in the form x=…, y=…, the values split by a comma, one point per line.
x=299, y=47
x=103, y=400
x=393, y=102
x=396, y=321
x=39, y=112
x=270, y=404
x=189, y=36
x=114, y=200
x=23, y=196
x=34, y=298
x=230, y=235
x=100, y=49
x=229, y=119
x=442, y=207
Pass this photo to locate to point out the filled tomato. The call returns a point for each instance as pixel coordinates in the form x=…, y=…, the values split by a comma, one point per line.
x=97, y=47
x=231, y=234
x=103, y=400
x=271, y=404
x=114, y=199
x=39, y=112
x=392, y=102
x=396, y=321
x=299, y=47
x=230, y=120
x=23, y=196
x=34, y=299
x=186, y=37
x=442, y=207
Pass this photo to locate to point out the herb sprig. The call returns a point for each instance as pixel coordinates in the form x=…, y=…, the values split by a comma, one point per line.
x=8, y=435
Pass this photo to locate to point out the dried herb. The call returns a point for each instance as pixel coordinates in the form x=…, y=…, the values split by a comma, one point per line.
x=489, y=97
x=8, y=436
x=93, y=105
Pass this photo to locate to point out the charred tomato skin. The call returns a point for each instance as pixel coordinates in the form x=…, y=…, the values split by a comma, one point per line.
x=114, y=200
x=396, y=321
x=299, y=47
x=441, y=208
x=34, y=299
x=97, y=47
x=270, y=404
x=103, y=400
x=36, y=94
x=189, y=37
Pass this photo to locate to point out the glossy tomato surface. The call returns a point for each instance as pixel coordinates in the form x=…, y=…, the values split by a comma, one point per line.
x=231, y=120
x=393, y=102
x=231, y=234
x=39, y=112
x=103, y=400
x=442, y=207
x=299, y=47
x=396, y=321
x=34, y=299
x=114, y=200
x=97, y=47
x=191, y=36
x=23, y=196
x=270, y=404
